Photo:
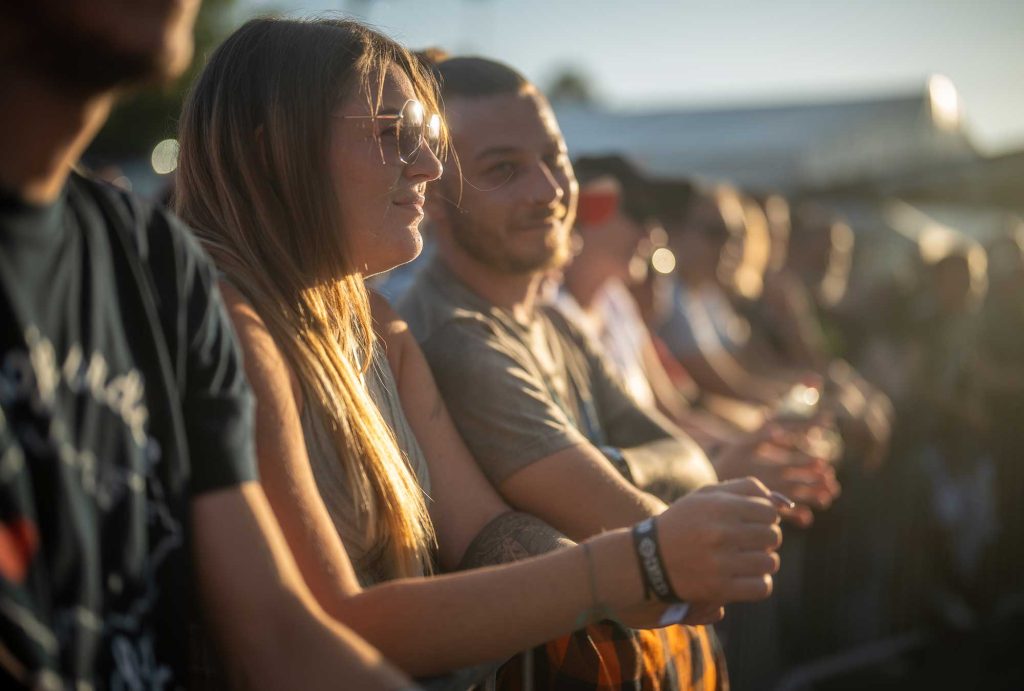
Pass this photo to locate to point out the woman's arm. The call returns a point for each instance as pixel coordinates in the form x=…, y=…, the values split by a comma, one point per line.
x=284, y=468
x=718, y=547
x=474, y=525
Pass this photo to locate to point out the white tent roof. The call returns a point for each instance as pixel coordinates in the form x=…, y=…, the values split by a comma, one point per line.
x=779, y=146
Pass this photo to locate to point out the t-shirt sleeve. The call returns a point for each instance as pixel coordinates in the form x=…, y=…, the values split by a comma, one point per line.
x=502, y=410
x=217, y=402
x=625, y=422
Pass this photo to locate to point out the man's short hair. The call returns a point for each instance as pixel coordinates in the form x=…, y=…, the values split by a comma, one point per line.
x=637, y=202
x=675, y=200
x=474, y=77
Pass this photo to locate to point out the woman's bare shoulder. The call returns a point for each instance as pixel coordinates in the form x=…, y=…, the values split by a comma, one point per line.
x=264, y=361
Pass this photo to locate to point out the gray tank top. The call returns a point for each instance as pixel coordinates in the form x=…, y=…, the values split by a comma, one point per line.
x=332, y=479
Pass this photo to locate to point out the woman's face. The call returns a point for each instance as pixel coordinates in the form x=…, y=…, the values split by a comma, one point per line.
x=381, y=198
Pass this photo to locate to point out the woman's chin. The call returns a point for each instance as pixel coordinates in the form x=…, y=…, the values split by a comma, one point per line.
x=399, y=255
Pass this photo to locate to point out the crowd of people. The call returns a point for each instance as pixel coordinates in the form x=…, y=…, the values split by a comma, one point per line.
x=400, y=394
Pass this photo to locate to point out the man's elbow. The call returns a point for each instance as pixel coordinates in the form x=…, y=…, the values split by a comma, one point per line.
x=670, y=468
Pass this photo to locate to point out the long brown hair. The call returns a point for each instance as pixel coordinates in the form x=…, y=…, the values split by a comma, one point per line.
x=254, y=182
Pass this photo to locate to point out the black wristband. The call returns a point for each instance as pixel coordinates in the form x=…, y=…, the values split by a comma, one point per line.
x=652, y=568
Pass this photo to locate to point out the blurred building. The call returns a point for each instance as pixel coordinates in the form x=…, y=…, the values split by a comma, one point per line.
x=902, y=168
x=914, y=143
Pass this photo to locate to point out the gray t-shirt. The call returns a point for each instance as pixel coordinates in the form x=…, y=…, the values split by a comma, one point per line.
x=514, y=402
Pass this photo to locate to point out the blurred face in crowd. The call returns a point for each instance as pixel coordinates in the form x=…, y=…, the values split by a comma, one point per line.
x=706, y=245
x=1006, y=264
x=813, y=248
x=951, y=278
x=611, y=239
x=747, y=279
x=515, y=207
x=838, y=264
x=94, y=45
x=381, y=198
x=776, y=211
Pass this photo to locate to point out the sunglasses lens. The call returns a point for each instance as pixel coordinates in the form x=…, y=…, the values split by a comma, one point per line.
x=410, y=131
x=432, y=133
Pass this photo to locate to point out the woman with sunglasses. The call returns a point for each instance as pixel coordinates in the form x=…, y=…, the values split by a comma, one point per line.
x=307, y=147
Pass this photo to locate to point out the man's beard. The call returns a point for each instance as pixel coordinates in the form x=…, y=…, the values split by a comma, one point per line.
x=492, y=253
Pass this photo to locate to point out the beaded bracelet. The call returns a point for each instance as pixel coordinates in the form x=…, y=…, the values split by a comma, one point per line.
x=598, y=611
x=652, y=568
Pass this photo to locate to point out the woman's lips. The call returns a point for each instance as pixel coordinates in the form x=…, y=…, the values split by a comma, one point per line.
x=411, y=202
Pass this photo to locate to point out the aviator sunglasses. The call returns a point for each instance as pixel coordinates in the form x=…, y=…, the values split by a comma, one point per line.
x=413, y=129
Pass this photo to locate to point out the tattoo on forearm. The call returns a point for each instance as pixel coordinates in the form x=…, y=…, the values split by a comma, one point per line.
x=510, y=537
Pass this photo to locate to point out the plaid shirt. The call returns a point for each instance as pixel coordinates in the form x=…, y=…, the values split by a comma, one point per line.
x=609, y=657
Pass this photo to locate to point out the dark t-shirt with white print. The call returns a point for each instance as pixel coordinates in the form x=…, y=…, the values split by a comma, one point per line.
x=123, y=396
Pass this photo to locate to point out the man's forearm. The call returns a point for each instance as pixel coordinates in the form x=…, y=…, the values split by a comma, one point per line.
x=669, y=468
x=510, y=537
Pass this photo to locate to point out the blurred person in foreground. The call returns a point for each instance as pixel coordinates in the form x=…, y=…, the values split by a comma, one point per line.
x=126, y=427
x=612, y=225
x=549, y=424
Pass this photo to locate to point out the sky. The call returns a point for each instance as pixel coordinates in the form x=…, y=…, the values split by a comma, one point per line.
x=688, y=53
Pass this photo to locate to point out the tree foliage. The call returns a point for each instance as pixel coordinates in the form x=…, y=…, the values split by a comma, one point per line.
x=571, y=85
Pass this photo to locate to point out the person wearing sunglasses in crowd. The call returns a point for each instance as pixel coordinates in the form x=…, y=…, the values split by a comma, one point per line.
x=307, y=148
x=126, y=457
